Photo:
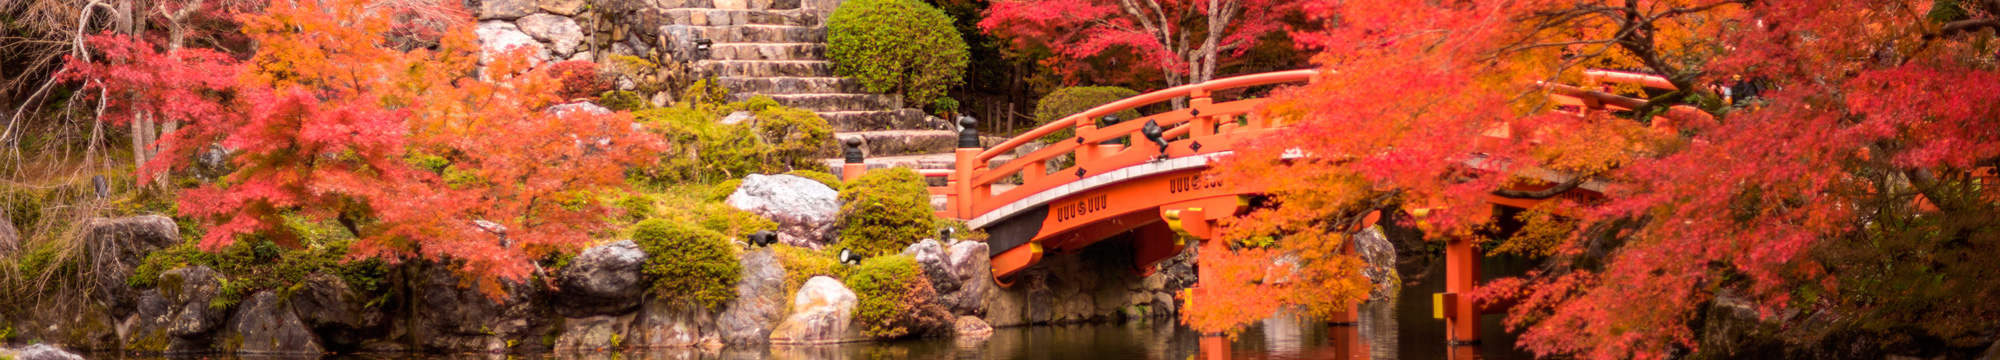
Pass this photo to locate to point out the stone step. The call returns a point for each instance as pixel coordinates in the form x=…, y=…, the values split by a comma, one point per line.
x=899, y=142
x=897, y=119
x=766, y=68
x=767, y=51
x=790, y=85
x=723, y=17
x=828, y=102
x=753, y=33
x=724, y=4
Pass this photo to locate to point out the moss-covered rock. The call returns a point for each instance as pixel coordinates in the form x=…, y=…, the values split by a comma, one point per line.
x=896, y=299
x=883, y=211
x=688, y=262
x=820, y=176
x=701, y=148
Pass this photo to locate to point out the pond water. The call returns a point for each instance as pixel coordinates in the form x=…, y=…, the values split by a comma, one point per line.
x=1398, y=329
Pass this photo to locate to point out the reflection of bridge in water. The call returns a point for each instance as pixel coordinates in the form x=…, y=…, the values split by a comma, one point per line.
x=1145, y=176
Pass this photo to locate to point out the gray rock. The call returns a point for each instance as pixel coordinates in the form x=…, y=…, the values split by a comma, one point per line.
x=759, y=303
x=972, y=326
x=738, y=117
x=583, y=106
x=937, y=267
x=1380, y=254
x=665, y=323
x=175, y=317
x=335, y=311
x=804, y=209
x=44, y=352
x=561, y=33
x=562, y=7
x=823, y=313
x=661, y=99
x=497, y=37
x=596, y=333
x=583, y=56
x=504, y=9
x=10, y=238
x=974, y=267
x=455, y=318
x=263, y=325
x=116, y=246
x=603, y=280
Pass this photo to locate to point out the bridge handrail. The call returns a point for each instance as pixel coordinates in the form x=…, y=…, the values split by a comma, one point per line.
x=1085, y=117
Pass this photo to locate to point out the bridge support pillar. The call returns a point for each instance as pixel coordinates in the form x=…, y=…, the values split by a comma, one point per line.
x=1455, y=305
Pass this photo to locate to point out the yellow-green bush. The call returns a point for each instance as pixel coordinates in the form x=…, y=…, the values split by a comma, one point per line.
x=1072, y=100
x=731, y=222
x=883, y=211
x=920, y=56
x=820, y=176
x=623, y=101
x=701, y=148
x=802, y=264
x=636, y=206
x=722, y=190
x=895, y=298
x=688, y=263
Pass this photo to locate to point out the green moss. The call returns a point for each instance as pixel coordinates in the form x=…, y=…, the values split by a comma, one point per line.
x=732, y=222
x=623, y=101
x=702, y=149
x=802, y=264
x=820, y=176
x=895, y=298
x=1072, y=100
x=920, y=57
x=688, y=262
x=636, y=206
x=724, y=189
x=883, y=211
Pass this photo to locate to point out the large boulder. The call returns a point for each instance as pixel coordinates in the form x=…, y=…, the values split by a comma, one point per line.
x=759, y=303
x=41, y=352
x=974, y=267
x=603, y=280
x=823, y=314
x=665, y=323
x=596, y=333
x=335, y=311
x=116, y=246
x=175, y=317
x=265, y=325
x=804, y=209
x=455, y=318
x=971, y=327
x=561, y=33
x=936, y=265
x=1380, y=254
x=497, y=37
x=503, y=9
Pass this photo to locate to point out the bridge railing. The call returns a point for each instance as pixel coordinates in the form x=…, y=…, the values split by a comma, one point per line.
x=1200, y=128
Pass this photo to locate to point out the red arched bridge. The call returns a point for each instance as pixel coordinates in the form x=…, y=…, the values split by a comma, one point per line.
x=1145, y=175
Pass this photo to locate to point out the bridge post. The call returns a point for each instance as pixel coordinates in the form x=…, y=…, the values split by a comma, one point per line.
x=855, y=164
x=1203, y=125
x=1461, y=262
x=967, y=159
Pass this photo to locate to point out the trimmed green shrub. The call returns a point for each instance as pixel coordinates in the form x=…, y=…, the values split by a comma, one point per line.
x=802, y=264
x=701, y=148
x=688, y=263
x=895, y=298
x=883, y=211
x=723, y=189
x=822, y=177
x=945, y=105
x=636, y=206
x=920, y=56
x=1072, y=100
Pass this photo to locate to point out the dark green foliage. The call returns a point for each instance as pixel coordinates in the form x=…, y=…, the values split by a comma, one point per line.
x=623, y=101
x=895, y=298
x=1071, y=100
x=701, y=148
x=901, y=46
x=259, y=264
x=945, y=105
x=885, y=210
x=688, y=263
x=822, y=177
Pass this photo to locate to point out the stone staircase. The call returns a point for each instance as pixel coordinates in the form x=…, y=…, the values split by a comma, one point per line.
x=780, y=51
